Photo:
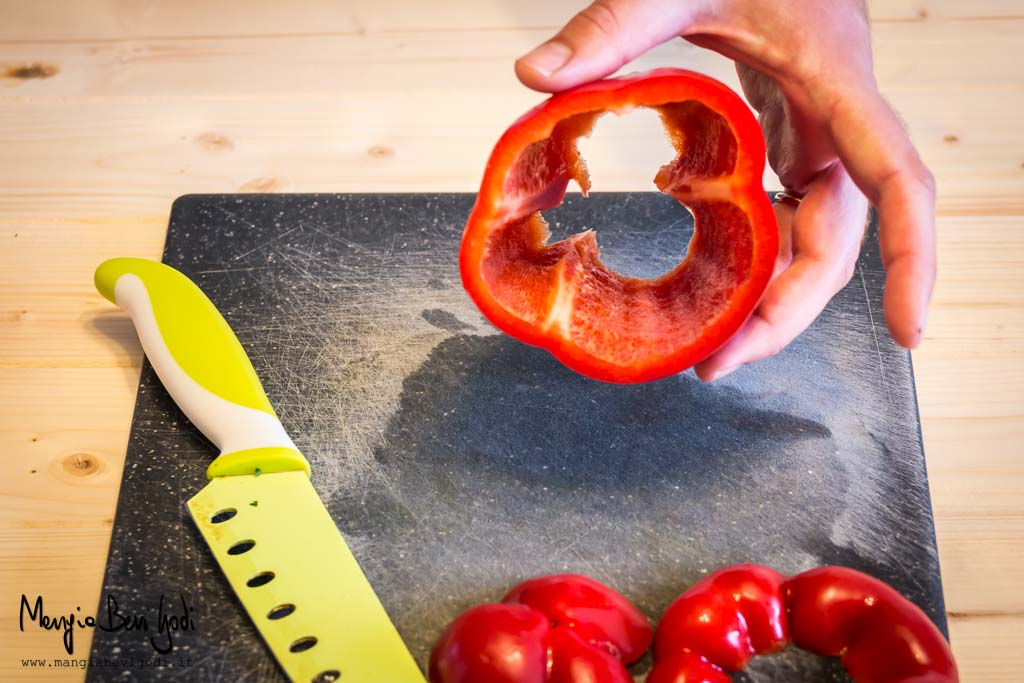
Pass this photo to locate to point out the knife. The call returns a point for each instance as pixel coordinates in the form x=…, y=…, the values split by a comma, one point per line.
x=263, y=520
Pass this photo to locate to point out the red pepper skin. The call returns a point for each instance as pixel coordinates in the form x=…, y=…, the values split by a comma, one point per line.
x=881, y=636
x=592, y=610
x=686, y=666
x=729, y=616
x=499, y=643
x=575, y=660
x=564, y=628
x=560, y=296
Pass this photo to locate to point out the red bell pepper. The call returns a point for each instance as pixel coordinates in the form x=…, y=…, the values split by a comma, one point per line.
x=554, y=629
x=725, y=619
x=560, y=296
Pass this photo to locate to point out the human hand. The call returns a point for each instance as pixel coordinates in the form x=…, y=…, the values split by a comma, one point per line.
x=805, y=66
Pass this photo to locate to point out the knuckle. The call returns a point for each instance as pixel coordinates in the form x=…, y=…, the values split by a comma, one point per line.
x=603, y=16
x=847, y=269
x=775, y=347
x=837, y=273
x=783, y=261
x=912, y=178
x=923, y=177
x=774, y=340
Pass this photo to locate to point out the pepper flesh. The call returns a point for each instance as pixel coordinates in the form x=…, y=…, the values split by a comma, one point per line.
x=560, y=296
x=721, y=622
x=564, y=628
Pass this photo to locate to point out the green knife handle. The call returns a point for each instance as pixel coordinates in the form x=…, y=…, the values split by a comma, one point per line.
x=202, y=364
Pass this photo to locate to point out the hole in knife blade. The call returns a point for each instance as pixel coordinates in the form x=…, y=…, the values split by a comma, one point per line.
x=303, y=644
x=281, y=611
x=242, y=547
x=260, y=579
x=327, y=676
x=223, y=516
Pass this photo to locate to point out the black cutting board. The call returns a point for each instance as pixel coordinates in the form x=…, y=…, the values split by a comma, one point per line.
x=458, y=461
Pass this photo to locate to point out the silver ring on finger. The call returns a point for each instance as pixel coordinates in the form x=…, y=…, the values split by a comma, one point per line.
x=788, y=198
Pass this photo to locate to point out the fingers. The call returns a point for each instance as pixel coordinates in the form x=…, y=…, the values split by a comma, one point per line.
x=907, y=236
x=882, y=161
x=601, y=39
x=826, y=237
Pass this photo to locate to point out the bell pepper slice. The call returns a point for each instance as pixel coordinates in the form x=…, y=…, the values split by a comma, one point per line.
x=730, y=616
x=727, y=617
x=564, y=628
x=561, y=296
x=567, y=628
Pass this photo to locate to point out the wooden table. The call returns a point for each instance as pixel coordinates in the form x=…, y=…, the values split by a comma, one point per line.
x=109, y=110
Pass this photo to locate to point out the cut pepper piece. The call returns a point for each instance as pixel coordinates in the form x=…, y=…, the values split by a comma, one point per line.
x=563, y=628
x=561, y=296
x=735, y=613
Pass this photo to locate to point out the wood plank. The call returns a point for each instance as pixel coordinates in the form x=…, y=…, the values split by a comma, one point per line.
x=988, y=648
x=980, y=167
x=442, y=60
x=979, y=551
x=970, y=388
x=121, y=19
x=49, y=310
x=165, y=149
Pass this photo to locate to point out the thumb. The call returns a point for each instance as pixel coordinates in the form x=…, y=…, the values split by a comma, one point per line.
x=601, y=39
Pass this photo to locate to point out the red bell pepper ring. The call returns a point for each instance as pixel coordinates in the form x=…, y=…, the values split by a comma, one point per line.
x=560, y=296
x=720, y=623
x=553, y=629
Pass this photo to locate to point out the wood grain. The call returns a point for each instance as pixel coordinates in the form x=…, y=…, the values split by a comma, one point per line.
x=109, y=109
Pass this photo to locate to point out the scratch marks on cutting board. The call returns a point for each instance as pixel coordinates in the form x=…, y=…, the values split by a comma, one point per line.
x=281, y=236
x=874, y=332
x=360, y=315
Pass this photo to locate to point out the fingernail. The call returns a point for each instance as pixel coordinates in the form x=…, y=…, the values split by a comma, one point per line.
x=548, y=58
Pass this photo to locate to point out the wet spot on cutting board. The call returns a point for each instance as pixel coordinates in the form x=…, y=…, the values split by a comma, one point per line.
x=27, y=72
x=444, y=320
